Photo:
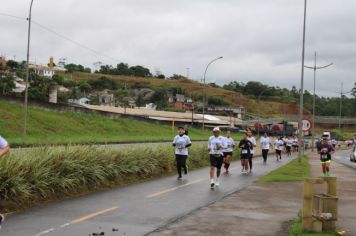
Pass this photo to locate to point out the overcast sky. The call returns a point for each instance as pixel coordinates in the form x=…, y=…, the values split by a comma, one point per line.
x=259, y=39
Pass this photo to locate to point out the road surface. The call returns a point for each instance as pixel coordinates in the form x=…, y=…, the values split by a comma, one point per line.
x=133, y=210
x=343, y=157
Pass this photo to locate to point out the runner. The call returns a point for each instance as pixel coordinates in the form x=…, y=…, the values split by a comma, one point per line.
x=4, y=148
x=265, y=143
x=228, y=148
x=289, y=144
x=333, y=143
x=245, y=145
x=325, y=150
x=253, y=141
x=295, y=144
x=215, y=146
x=181, y=143
x=279, y=147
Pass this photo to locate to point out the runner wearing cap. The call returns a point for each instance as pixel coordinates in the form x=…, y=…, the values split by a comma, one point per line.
x=228, y=148
x=181, y=142
x=245, y=146
x=325, y=149
x=4, y=148
x=215, y=147
x=253, y=141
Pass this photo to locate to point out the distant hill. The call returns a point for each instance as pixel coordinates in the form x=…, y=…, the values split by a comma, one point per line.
x=194, y=89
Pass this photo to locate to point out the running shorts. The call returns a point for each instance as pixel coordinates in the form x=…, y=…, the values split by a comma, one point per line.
x=278, y=152
x=216, y=161
x=227, y=154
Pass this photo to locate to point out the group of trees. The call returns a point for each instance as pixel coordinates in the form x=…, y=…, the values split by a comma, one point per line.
x=324, y=106
x=124, y=69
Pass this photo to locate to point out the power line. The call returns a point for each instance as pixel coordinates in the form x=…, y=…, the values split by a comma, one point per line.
x=62, y=36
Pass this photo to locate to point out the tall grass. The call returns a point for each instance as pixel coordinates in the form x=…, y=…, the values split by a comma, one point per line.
x=29, y=177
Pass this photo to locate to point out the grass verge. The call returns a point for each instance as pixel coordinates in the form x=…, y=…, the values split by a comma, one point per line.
x=31, y=177
x=296, y=229
x=48, y=127
x=292, y=171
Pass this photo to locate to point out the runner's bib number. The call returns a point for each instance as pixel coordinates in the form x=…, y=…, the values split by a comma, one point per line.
x=324, y=156
x=244, y=151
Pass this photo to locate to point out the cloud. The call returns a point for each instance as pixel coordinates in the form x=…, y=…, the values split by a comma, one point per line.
x=260, y=40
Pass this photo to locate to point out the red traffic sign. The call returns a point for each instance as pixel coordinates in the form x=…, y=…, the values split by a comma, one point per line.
x=306, y=125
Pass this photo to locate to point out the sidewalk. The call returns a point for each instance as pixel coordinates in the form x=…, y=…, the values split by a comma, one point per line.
x=266, y=209
x=346, y=190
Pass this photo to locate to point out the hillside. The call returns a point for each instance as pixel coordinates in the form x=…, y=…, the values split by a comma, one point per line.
x=52, y=127
x=195, y=90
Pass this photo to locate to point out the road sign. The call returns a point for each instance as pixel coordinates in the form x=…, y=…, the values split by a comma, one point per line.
x=306, y=125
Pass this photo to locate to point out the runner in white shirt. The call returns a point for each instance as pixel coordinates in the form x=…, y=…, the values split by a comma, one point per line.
x=295, y=144
x=278, y=144
x=228, y=148
x=215, y=147
x=253, y=141
x=4, y=148
x=289, y=144
x=181, y=143
x=265, y=143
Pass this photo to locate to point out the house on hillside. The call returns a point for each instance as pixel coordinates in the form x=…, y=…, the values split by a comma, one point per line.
x=180, y=101
x=106, y=98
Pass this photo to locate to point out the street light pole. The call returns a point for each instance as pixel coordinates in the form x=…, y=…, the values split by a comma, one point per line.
x=342, y=93
x=302, y=88
x=204, y=88
x=27, y=71
x=258, y=107
x=313, y=119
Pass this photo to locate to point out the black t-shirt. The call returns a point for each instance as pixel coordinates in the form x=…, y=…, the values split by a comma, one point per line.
x=245, y=146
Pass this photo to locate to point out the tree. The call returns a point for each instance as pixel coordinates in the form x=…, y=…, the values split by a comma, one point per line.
x=74, y=68
x=13, y=65
x=353, y=91
x=140, y=71
x=7, y=83
x=85, y=88
x=140, y=101
x=159, y=98
x=103, y=83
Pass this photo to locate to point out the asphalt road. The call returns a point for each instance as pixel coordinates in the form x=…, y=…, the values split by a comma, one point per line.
x=343, y=157
x=133, y=210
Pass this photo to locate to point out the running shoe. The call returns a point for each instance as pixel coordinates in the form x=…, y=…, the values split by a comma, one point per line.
x=186, y=170
x=217, y=183
x=179, y=177
x=212, y=184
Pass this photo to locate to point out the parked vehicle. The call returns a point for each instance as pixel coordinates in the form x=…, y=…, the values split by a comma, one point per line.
x=353, y=154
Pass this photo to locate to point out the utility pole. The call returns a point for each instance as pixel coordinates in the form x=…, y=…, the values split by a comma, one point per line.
x=313, y=119
x=27, y=72
x=302, y=89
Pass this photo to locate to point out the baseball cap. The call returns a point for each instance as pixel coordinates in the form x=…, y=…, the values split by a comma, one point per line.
x=216, y=129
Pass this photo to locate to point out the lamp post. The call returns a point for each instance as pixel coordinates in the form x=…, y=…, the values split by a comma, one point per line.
x=342, y=93
x=302, y=88
x=27, y=71
x=313, y=119
x=258, y=107
x=204, y=91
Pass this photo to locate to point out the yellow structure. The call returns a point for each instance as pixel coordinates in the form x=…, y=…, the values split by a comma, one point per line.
x=319, y=209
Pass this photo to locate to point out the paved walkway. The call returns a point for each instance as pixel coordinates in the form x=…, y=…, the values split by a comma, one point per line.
x=266, y=209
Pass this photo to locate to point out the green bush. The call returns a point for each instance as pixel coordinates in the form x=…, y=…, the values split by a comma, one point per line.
x=28, y=177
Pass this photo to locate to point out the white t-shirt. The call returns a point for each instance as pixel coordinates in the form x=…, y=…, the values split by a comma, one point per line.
x=253, y=141
x=3, y=142
x=265, y=142
x=181, y=142
x=229, y=144
x=289, y=142
x=295, y=141
x=213, y=143
x=278, y=144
